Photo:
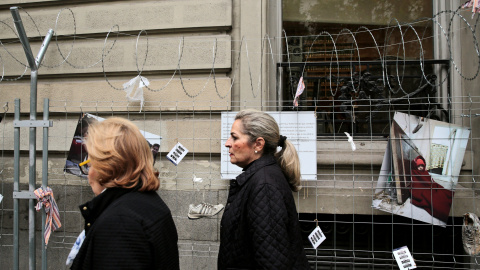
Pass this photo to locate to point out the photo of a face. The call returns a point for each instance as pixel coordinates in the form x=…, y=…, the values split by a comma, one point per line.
x=155, y=148
x=420, y=163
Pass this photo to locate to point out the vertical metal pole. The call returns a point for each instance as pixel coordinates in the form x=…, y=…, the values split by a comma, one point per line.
x=16, y=181
x=32, y=135
x=34, y=64
x=44, y=177
x=38, y=60
x=32, y=170
x=23, y=37
x=43, y=48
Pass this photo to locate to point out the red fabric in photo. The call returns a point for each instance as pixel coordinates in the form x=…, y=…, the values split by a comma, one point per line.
x=430, y=196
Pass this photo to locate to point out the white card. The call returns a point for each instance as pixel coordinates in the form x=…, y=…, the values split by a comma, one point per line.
x=1, y=198
x=316, y=237
x=404, y=258
x=197, y=180
x=177, y=153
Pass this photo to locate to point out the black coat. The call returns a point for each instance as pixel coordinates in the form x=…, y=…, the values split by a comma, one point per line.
x=260, y=227
x=127, y=229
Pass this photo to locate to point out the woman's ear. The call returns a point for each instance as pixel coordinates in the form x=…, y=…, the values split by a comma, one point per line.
x=259, y=144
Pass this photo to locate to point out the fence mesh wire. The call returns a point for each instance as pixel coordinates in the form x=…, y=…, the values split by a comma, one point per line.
x=358, y=96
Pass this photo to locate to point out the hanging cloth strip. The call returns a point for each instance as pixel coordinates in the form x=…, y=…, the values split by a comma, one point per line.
x=474, y=4
x=46, y=199
x=134, y=89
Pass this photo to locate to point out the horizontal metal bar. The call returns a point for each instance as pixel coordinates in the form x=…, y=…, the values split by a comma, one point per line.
x=470, y=115
x=334, y=63
x=35, y=123
x=24, y=195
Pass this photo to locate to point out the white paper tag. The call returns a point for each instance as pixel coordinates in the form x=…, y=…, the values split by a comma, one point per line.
x=197, y=179
x=404, y=258
x=177, y=153
x=1, y=198
x=316, y=237
x=350, y=140
x=376, y=203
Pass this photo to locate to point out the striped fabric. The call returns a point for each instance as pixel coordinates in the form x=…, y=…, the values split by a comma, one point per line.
x=46, y=199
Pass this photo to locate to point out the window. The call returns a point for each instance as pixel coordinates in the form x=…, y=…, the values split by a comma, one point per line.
x=366, y=242
x=360, y=63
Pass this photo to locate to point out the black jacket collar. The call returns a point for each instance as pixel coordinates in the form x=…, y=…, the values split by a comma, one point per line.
x=254, y=167
x=94, y=208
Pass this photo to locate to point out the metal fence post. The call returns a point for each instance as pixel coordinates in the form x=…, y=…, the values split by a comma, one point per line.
x=44, y=177
x=16, y=183
x=33, y=64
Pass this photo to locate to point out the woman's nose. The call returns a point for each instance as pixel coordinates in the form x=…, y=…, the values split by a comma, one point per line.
x=227, y=143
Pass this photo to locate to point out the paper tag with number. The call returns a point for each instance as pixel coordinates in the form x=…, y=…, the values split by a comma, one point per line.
x=177, y=153
x=316, y=237
x=404, y=258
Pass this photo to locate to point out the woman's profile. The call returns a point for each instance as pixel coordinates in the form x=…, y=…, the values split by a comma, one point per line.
x=260, y=227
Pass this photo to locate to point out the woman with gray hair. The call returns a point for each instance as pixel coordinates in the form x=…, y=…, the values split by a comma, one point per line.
x=260, y=227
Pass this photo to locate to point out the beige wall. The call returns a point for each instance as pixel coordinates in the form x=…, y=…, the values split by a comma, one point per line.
x=190, y=36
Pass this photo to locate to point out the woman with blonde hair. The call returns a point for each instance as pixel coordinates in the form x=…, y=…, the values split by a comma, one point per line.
x=127, y=224
x=260, y=227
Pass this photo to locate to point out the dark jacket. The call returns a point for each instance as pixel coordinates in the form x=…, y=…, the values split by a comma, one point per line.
x=260, y=227
x=127, y=229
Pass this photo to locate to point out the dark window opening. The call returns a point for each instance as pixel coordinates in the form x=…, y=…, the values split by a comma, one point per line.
x=367, y=242
x=356, y=76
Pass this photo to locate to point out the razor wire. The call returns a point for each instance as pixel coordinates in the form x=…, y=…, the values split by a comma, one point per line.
x=334, y=61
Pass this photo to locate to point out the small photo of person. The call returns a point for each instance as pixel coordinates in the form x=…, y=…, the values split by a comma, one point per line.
x=420, y=163
x=427, y=194
x=155, y=148
x=77, y=153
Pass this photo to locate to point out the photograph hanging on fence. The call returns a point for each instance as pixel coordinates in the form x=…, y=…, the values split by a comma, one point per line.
x=420, y=168
x=78, y=153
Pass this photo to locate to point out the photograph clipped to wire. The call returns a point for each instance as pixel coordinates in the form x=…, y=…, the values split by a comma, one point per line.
x=77, y=159
x=420, y=168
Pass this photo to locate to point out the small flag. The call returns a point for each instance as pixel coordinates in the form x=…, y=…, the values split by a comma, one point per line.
x=300, y=88
x=474, y=4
